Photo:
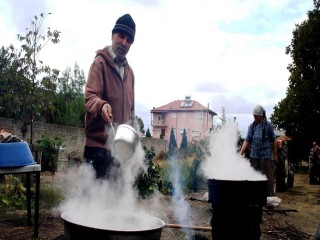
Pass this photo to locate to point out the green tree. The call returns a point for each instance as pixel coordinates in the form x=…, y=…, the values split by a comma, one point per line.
x=14, y=86
x=141, y=124
x=184, y=141
x=68, y=108
x=196, y=175
x=299, y=112
x=42, y=77
x=172, y=143
x=148, y=133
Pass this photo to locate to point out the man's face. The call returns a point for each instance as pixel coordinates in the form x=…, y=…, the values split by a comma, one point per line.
x=121, y=44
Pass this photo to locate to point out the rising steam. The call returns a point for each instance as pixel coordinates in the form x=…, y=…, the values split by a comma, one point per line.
x=224, y=162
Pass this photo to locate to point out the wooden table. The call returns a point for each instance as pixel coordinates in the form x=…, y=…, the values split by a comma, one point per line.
x=28, y=170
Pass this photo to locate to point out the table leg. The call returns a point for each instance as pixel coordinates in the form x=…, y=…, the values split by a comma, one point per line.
x=36, y=208
x=28, y=199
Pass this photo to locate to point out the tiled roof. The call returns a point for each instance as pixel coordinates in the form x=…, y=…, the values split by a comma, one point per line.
x=180, y=105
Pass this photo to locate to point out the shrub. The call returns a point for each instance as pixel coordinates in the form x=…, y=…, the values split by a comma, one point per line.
x=149, y=182
x=50, y=152
x=13, y=193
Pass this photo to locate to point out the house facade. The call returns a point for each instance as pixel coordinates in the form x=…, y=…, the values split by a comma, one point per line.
x=186, y=114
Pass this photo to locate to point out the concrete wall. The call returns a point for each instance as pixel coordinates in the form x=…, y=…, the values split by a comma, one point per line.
x=74, y=138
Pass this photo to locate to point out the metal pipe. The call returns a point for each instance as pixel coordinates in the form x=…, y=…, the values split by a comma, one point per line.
x=200, y=228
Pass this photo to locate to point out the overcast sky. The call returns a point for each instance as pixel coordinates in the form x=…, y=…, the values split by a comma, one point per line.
x=228, y=53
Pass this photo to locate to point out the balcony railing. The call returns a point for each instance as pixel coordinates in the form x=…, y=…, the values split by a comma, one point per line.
x=158, y=123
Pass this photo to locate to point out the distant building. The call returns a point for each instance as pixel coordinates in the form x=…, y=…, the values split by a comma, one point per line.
x=182, y=114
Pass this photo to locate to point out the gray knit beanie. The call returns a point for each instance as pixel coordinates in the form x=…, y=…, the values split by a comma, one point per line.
x=126, y=26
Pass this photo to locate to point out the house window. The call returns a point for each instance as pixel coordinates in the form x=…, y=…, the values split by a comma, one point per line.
x=173, y=115
x=199, y=116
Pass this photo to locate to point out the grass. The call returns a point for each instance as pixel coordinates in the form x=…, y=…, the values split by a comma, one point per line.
x=49, y=198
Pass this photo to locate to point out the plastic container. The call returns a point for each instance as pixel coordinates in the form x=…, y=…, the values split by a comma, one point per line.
x=16, y=154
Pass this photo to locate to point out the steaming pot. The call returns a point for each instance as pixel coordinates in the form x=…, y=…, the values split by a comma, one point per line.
x=237, y=208
x=125, y=141
x=111, y=225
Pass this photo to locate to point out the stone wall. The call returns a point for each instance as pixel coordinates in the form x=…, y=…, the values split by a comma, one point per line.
x=160, y=145
x=73, y=138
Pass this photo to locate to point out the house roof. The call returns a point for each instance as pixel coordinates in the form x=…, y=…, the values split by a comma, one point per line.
x=186, y=105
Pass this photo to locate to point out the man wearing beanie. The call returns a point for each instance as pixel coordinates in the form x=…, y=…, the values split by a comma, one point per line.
x=261, y=138
x=109, y=98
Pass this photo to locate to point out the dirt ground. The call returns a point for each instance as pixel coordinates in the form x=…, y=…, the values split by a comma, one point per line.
x=297, y=217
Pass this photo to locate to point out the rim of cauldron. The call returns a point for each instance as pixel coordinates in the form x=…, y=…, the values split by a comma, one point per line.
x=63, y=216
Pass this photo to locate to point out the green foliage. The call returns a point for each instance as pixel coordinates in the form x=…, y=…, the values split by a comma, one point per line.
x=49, y=197
x=68, y=107
x=141, y=124
x=13, y=196
x=27, y=85
x=190, y=176
x=31, y=91
x=149, y=182
x=167, y=187
x=196, y=177
x=12, y=193
x=184, y=142
x=14, y=86
x=299, y=112
x=148, y=133
x=172, y=143
x=50, y=150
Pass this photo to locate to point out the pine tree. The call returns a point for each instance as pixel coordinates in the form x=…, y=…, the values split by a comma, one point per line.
x=148, y=133
x=184, y=142
x=172, y=143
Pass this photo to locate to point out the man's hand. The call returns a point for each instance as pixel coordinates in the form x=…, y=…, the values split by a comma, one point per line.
x=106, y=113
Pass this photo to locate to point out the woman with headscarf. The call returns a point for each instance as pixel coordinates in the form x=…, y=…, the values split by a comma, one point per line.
x=262, y=141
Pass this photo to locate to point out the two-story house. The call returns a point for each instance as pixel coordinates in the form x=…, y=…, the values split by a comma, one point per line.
x=182, y=114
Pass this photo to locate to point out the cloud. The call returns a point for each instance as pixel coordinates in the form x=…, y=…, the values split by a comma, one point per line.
x=23, y=11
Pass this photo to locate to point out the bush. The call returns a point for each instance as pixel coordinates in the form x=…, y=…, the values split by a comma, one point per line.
x=50, y=152
x=196, y=177
x=149, y=182
x=49, y=197
x=13, y=193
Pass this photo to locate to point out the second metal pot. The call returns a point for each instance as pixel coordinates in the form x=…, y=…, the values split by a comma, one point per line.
x=125, y=142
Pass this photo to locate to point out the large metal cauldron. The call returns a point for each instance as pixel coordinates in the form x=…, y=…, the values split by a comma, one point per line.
x=237, y=208
x=111, y=225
